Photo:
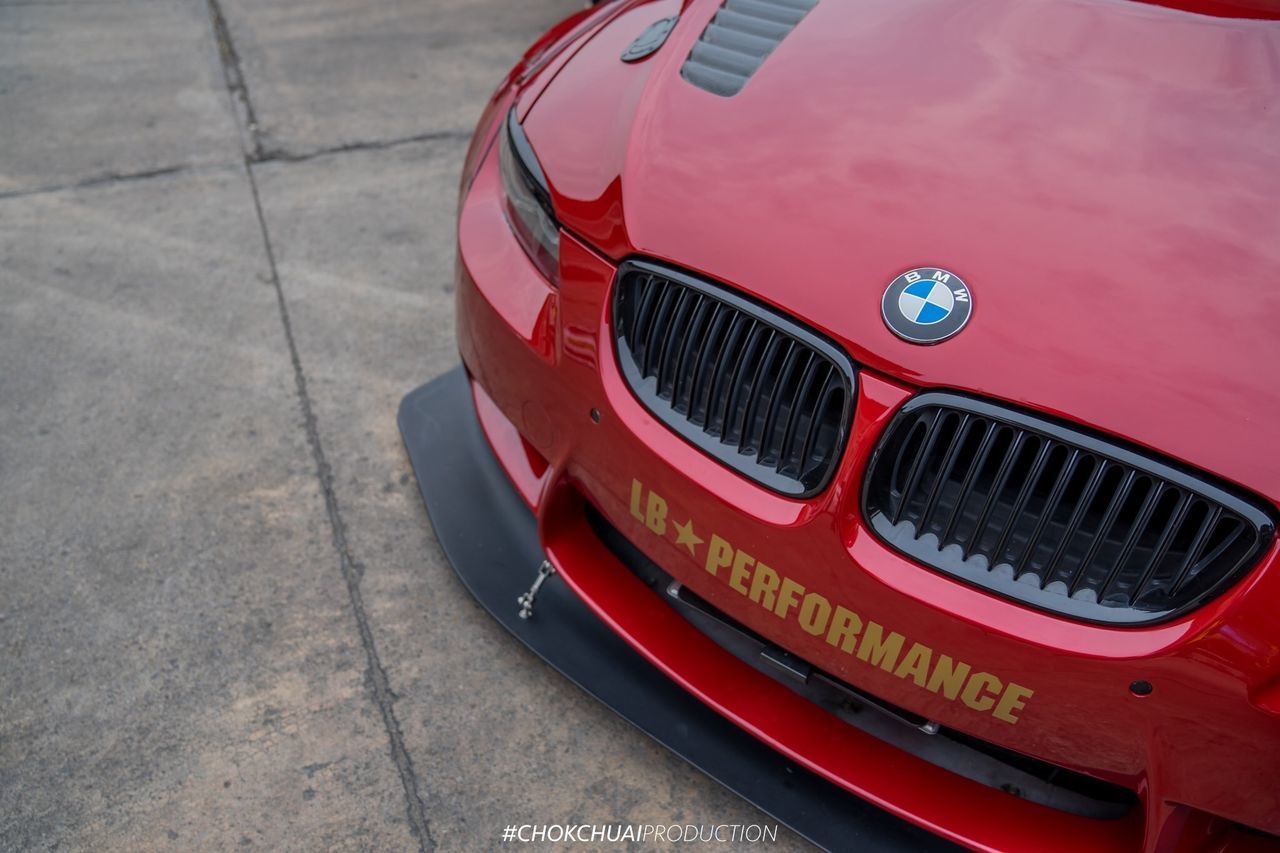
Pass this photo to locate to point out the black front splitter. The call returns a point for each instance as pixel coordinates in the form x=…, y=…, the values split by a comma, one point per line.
x=490, y=538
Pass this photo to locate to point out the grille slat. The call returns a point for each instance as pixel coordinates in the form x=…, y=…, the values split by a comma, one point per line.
x=737, y=41
x=746, y=385
x=1001, y=480
x=769, y=450
x=763, y=387
x=786, y=446
x=694, y=353
x=1193, y=553
x=970, y=480
x=733, y=413
x=758, y=389
x=1024, y=495
x=833, y=396
x=1054, y=516
x=1101, y=466
x=653, y=336
x=917, y=465
x=1131, y=540
x=1165, y=542
x=1050, y=507
x=1109, y=518
x=644, y=315
x=696, y=338
x=713, y=343
x=948, y=465
x=811, y=434
x=679, y=317
x=716, y=388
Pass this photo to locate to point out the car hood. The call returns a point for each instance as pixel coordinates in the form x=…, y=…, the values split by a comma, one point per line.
x=1104, y=175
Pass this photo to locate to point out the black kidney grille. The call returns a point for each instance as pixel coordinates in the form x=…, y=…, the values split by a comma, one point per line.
x=746, y=385
x=1054, y=516
x=738, y=40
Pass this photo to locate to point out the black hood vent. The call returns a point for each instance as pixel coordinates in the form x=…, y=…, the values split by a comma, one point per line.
x=737, y=41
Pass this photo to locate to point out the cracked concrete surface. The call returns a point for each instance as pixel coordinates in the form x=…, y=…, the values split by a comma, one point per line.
x=226, y=249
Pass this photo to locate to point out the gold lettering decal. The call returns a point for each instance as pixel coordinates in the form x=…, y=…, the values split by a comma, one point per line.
x=788, y=597
x=719, y=553
x=637, y=491
x=738, y=574
x=764, y=586
x=655, y=517
x=916, y=664
x=1014, y=698
x=948, y=676
x=686, y=536
x=878, y=650
x=842, y=629
x=815, y=612
x=977, y=684
x=845, y=628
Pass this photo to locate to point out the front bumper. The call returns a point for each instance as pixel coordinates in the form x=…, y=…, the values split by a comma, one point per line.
x=491, y=540
x=569, y=435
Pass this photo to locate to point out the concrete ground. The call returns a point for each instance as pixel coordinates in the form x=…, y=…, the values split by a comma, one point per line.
x=226, y=243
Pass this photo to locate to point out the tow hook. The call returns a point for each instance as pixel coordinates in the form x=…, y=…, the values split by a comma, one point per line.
x=526, y=599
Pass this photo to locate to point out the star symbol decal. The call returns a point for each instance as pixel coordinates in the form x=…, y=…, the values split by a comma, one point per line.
x=686, y=537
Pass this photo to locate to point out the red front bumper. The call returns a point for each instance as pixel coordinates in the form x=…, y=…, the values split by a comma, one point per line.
x=567, y=430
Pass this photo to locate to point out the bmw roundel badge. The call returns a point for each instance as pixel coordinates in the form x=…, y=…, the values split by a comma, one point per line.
x=926, y=305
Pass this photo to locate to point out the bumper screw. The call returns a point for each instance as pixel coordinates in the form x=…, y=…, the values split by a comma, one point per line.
x=526, y=599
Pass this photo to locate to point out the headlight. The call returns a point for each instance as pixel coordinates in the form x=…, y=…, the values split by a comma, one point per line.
x=529, y=200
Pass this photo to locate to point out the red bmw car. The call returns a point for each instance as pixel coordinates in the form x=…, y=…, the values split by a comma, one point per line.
x=875, y=402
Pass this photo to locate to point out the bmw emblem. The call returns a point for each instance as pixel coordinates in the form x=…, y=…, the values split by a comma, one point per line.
x=926, y=305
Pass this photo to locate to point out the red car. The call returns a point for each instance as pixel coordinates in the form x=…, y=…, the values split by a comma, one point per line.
x=875, y=402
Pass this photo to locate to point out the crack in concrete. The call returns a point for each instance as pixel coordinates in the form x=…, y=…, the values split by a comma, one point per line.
x=352, y=571
x=274, y=155
x=237, y=84
x=97, y=180
x=280, y=155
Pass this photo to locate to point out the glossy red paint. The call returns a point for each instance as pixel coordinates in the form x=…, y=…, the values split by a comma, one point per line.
x=1103, y=174
x=1254, y=9
x=1082, y=164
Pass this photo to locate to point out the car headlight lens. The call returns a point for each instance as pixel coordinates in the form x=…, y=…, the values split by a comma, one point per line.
x=528, y=199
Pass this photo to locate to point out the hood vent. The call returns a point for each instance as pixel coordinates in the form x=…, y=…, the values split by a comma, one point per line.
x=737, y=41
